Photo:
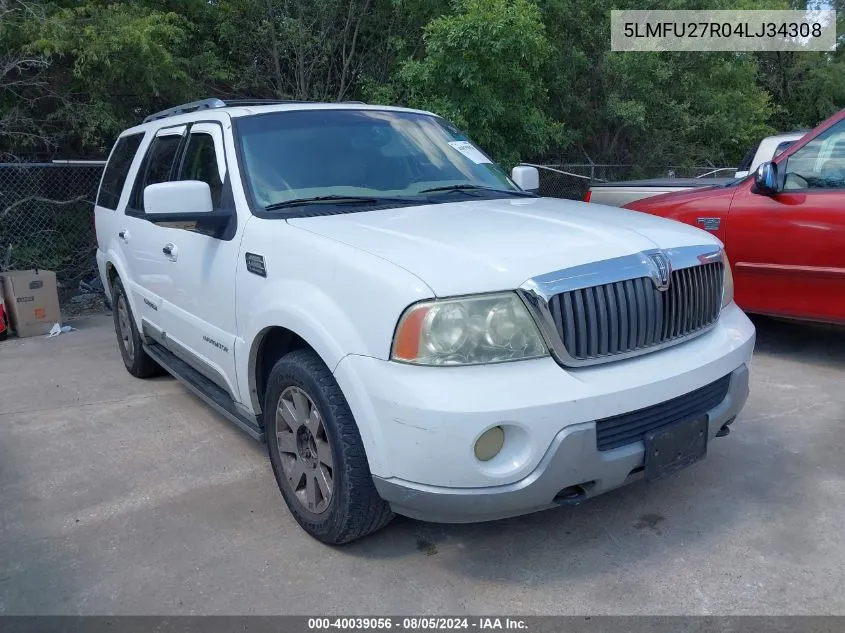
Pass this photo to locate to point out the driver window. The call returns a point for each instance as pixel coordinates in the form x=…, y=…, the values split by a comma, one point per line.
x=201, y=163
x=820, y=164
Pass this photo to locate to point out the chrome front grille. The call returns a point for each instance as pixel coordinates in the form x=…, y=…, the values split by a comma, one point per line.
x=624, y=317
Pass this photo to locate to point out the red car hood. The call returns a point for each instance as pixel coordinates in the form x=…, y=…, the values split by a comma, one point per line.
x=715, y=198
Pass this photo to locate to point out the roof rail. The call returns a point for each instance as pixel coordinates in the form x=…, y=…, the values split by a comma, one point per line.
x=214, y=102
x=251, y=102
x=186, y=107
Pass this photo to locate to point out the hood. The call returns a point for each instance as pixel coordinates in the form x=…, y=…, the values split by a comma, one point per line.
x=488, y=245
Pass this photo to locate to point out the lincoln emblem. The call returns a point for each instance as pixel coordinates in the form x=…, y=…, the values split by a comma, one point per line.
x=661, y=271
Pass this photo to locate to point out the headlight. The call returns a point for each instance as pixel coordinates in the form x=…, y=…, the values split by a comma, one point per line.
x=728, y=288
x=468, y=331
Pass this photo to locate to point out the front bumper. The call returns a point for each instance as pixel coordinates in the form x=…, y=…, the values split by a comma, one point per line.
x=571, y=471
x=419, y=424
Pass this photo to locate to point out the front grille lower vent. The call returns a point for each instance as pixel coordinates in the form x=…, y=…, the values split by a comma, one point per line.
x=627, y=428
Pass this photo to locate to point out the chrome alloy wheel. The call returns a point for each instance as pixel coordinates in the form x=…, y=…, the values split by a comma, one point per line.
x=304, y=450
x=125, y=327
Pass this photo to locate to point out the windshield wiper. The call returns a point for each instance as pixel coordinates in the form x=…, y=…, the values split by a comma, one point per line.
x=318, y=199
x=469, y=187
x=296, y=202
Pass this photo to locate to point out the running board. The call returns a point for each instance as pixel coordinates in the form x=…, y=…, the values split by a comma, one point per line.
x=205, y=389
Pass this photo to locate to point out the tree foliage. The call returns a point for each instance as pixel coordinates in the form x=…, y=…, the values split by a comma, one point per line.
x=22, y=80
x=526, y=79
x=482, y=69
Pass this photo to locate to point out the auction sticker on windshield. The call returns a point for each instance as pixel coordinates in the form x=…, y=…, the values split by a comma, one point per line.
x=470, y=151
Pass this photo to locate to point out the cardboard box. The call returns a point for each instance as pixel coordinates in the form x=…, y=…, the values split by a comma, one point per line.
x=32, y=301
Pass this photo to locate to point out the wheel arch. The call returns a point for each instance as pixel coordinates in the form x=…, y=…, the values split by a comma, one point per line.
x=269, y=345
x=272, y=343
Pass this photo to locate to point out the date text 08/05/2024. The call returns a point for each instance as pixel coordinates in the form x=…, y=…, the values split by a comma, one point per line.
x=416, y=623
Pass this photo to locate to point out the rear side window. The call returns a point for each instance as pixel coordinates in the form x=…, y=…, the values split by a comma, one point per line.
x=117, y=170
x=157, y=167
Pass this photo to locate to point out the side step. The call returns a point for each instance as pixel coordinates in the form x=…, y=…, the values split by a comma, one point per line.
x=206, y=390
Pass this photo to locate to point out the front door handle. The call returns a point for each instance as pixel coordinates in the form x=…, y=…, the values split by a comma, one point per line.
x=170, y=251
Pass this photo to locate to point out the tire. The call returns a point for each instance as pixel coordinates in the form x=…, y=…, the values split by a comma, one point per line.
x=137, y=361
x=315, y=454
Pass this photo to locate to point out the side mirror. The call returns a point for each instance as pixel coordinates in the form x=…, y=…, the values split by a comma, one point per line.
x=766, y=179
x=526, y=178
x=188, y=199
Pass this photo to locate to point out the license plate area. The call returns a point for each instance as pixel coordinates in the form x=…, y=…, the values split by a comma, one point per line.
x=675, y=447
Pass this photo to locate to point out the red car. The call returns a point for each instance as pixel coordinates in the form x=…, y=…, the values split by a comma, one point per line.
x=4, y=329
x=783, y=227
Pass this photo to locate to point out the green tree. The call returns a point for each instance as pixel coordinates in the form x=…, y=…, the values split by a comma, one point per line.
x=22, y=82
x=527, y=79
x=301, y=49
x=113, y=63
x=482, y=69
x=649, y=109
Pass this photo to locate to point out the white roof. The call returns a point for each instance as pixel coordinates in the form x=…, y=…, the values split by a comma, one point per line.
x=786, y=136
x=237, y=111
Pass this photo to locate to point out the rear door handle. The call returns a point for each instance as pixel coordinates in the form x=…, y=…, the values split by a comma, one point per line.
x=170, y=251
x=124, y=235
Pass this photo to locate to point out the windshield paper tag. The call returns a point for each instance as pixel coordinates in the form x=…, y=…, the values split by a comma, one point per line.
x=471, y=152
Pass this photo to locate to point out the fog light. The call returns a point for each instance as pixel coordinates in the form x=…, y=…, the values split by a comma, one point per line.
x=490, y=443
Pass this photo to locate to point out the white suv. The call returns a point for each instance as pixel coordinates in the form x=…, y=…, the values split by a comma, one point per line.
x=408, y=328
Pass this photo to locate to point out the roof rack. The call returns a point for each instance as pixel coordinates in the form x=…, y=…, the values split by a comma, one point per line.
x=207, y=104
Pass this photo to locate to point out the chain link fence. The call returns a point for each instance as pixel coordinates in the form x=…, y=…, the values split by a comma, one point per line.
x=573, y=180
x=46, y=222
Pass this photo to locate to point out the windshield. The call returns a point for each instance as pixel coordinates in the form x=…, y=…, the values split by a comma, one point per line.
x=391, y=156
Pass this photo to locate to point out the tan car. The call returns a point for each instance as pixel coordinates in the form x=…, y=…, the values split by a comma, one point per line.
x=617, y=194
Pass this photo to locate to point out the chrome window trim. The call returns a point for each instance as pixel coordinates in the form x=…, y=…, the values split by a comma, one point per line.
x=537, y=291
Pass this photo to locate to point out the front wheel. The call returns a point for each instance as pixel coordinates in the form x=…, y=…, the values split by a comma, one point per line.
x=317, y=454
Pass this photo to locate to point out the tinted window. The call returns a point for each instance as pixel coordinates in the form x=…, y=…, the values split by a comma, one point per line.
x=820, y=164
x=292, y=155
x=162, y=153
x=117, y=169
x=200, y=163
x=158, y=164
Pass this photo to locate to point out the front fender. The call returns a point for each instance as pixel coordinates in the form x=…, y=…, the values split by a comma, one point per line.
x=338, y=299
x=313, y=315
x=321, y=322
x=335, y=319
